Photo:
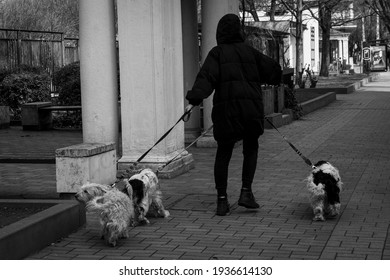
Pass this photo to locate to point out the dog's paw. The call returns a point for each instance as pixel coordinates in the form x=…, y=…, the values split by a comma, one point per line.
x=133, y=223
x=124, y=235
x=333, y=211
x=143, y=222
x=165, y=213
x=332, y=214
x=318, y=218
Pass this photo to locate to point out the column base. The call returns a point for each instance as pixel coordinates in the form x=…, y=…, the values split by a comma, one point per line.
x=191, y=135
x=181, y=165
x=207, y=141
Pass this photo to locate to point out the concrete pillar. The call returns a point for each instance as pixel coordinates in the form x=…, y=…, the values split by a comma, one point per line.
x=95, y=159
x=98, y=71
x=189, y=11
x=151, y=79
x=212, y=12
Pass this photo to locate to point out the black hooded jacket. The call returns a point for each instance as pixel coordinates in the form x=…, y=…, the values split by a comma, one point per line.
x=235, y=71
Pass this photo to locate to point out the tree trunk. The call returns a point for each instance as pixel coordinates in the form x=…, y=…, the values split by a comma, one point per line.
x=325, y=56
x=298, y=43
x=325, y=17
x=251, y=9
x=272, y=10
x=243, y=13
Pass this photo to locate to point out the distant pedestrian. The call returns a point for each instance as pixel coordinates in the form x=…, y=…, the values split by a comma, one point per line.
x=235, y=71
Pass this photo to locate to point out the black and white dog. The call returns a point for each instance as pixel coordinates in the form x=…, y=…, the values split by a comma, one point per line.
x=147, y=196
x=324, y=185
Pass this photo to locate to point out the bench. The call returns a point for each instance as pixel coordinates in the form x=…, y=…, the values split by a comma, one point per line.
x=38, y=115
x=61, y=108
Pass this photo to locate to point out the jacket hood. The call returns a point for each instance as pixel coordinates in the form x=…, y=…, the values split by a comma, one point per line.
x=229, y=30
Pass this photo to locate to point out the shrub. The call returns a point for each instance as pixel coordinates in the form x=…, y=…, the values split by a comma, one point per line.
x=4, y=73
x=67, y=120
x=67, y=82
x=22, y=86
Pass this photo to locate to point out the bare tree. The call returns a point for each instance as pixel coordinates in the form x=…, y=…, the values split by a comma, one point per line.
x=250, y=6
x=331, y=13
x=325, y=11
x=296, y=9
x=42, y=15
x=272, y=10
x=381, y=8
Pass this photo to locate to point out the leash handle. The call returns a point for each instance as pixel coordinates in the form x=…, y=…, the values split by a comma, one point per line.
x=187, y=114
x=305, y=159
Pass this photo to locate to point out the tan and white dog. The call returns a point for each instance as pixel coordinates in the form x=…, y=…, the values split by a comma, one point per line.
x=115, y=209
x=324, y=185
x=147, y=196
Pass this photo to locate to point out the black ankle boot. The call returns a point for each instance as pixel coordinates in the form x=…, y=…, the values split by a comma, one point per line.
x=223, y=207
x=247, y=199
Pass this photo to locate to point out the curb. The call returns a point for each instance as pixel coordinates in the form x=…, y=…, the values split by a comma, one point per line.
x=318, y=102
x=24, y=237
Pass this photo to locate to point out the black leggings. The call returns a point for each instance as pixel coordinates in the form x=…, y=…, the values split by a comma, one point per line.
x=222, y=159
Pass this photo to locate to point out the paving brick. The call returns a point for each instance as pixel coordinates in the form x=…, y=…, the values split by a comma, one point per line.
x=352, y=133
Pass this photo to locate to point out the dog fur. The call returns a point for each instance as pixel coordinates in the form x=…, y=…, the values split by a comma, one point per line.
x=147, y=196
x=115, y=210
x=324, y=185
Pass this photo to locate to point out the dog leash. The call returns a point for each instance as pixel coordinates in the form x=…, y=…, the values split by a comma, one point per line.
x=185, y=149
x=185, y=117
x=305, y=159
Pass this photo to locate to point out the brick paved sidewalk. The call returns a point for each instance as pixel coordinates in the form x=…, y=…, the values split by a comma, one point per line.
x=353, y=133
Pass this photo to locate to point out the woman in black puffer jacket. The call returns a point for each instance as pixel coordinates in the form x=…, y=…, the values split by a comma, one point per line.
x=236, y=72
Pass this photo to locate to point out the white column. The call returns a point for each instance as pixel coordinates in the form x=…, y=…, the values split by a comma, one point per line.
x=345, y=49
x=151, y=79
x=212, y=12
x=189, y=9
x=95, y=159
x=98, y=72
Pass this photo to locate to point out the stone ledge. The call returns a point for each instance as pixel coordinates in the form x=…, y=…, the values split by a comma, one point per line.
x=85, y=150
x=85, y=162
x=29, y=235
x=318, y=102
x=275, y=118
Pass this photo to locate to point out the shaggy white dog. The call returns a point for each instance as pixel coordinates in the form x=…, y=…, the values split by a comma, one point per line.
x=115, y=209
x=324, y=185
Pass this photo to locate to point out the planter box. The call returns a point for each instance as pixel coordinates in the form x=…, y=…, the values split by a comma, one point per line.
x=4, y=117
x=318, y=102
x=268, y=100
x=279, y=94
